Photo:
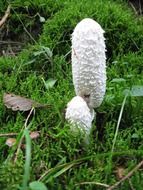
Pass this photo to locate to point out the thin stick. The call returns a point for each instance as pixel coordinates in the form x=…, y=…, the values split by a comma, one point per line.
x=93, y=183
x=4, y=18
x=10, y=42
x=134, y=9
x=20, y=143
x=28, y=33
x=8, y=134
x=26, y=121
x=140, y=7
x=127, y=176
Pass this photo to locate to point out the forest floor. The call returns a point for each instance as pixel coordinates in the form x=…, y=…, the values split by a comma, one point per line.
x=37, y=148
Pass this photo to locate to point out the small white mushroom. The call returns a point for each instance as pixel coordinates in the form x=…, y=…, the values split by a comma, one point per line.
x=89, y=62
x=79, y=115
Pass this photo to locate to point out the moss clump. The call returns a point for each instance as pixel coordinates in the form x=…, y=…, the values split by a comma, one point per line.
x=123, y=30
x=11, y=175
x=22, y=74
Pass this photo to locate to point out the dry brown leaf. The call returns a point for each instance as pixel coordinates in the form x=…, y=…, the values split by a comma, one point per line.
x=34, y=135
x=10, y=142
x=18, y=103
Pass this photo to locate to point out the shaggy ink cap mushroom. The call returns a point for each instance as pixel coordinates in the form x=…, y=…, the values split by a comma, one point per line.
x=79, y=115
x=89, y=62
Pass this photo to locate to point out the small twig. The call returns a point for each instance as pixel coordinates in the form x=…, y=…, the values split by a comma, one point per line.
x=8, y=134
x=127, y=176
x=28, y=33
x=140, y=7
x=26, y=121
x=20, y=143
x=93, y=183
x=4, y=18
x=11, y=42
x=133, y=8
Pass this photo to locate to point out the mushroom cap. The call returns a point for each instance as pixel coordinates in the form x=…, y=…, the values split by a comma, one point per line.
x=89, y=61
x=79, y=114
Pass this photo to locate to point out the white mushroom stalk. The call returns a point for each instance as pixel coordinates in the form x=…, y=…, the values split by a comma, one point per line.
x=89, y=62
x=89, y=73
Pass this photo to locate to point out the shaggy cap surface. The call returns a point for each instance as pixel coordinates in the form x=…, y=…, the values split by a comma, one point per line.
x=79, y=114
x=88, y=62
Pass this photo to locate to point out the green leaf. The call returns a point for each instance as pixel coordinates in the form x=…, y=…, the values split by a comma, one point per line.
x=47, y=51
x=137, y=91
x=63, y=170
x=43, y=50
x=49, y=83
x=38, y=53
x=135, y=136
x=117, y=80
x=127, y=92
x=42, y=19
x=37, y=185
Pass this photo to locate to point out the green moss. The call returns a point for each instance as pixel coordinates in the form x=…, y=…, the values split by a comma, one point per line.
x=22, y=75
x=123, y=30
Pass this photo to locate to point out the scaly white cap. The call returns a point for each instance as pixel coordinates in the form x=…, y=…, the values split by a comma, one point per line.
x=89, y=62
x=79, y=115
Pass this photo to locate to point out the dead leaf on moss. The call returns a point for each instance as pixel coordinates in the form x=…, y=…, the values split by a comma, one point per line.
x=19, y=103
x=10, y=142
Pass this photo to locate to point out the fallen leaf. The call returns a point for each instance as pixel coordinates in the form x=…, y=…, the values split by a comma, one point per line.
x=118, y=80
x=10, y=142
x=137, y=91
x=19, y=103
x=36, y=185
x=49, y=83
x=34, y=135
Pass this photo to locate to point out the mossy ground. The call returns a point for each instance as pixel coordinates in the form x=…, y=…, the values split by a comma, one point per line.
x=22, y=74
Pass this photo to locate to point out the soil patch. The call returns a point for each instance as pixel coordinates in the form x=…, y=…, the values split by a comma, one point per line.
x=21, y=28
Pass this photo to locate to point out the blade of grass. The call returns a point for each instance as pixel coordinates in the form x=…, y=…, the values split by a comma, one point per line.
x=57, y=171
x=63, y=170
x=115, y=137
x=21, y=139
x=60, y=169
x=92, y=183
x=118, y=123
x=26, y=176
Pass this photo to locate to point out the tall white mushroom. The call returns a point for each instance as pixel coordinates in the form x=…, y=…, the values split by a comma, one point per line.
x=88, y=71
x=89, y=62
